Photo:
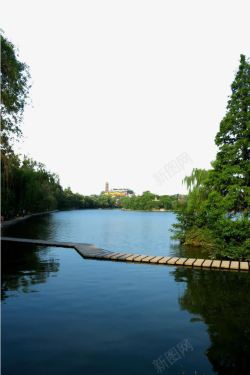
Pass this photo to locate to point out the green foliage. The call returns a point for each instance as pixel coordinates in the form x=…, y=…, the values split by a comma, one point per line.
x=28, y=188
x=234, y=134
x=200, y=237
x=14, y=93
x=31, y=188
x=150, y=202
x=216, y=212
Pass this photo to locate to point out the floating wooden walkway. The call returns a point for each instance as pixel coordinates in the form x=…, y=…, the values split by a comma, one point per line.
x=93, y=252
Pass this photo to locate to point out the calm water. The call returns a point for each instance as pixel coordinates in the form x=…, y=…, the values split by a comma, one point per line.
x=62, y=314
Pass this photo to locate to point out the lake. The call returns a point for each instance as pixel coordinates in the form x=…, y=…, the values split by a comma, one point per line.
x=62, y=314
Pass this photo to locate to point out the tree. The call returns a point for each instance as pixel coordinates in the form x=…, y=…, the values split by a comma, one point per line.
x=216, y=212
x=14, y=93
x=231, y=175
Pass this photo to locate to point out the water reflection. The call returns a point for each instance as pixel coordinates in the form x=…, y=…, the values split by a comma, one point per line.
x=23, y=266
x=222, y=301
x=178, y=250
x=219, y=299
x=41, y=227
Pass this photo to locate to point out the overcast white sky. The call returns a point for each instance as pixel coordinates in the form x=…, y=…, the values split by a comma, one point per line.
x=122, y=88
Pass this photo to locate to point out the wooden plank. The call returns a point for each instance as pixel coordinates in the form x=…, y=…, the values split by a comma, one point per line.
x=234, y=265
x=244, y=266
x=115, y=256
x=147, y=259
x=101, y=253
x=90, y=252
x=181, y=261
x=108, y=256
x=40, y=242
x=155, y=259
x=207, y=263
x=225, y=264
x=97, y=256
x=216, y=263
x=198, y=262
x=189, y=261
x=164, y=260
x=172, y=260
x=124, y=256
x=93, y=256
x=139, y=258
x=132, y=257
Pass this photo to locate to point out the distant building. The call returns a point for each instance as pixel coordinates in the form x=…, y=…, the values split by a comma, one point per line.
x=106, y=187
x=122, y=192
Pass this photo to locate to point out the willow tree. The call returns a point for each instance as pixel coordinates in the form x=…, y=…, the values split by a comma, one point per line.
x=14, y=93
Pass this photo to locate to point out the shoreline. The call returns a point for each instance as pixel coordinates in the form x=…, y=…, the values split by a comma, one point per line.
x=21, y=218
x=160, y=210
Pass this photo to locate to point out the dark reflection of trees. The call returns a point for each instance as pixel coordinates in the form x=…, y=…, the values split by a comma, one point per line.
x=41, y=227
x=186, y=251
x=222, y=301
x=23, y=266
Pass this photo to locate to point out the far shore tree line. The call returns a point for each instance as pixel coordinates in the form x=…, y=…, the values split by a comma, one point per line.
x=28, y=187
x=214, y=214
x=153, y=202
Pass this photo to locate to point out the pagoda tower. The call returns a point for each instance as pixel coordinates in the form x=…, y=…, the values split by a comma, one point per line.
x=106, y=187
